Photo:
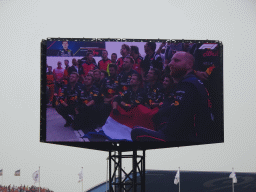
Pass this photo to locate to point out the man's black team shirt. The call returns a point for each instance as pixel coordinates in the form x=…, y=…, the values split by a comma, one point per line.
x=70, y=95
x=65, y=53
x=124, y=80
x=87, y=95
x=188, y=117
x=109, y=87
x=155, y=61
x=131, y=97
x=154, y=93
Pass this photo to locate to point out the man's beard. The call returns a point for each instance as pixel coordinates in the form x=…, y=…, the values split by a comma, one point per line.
x=178, y=72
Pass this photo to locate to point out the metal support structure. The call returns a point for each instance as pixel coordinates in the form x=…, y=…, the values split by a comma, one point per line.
x=143, y=176
x=120, y=170
x=134, y=173
x=131, y=180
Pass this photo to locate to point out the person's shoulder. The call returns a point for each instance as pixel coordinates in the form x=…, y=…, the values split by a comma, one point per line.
x=120, y=74
x=145, y=57
x=78, y=84
x=95, y=88
x=157, y=57
x=192, y=82
x=142, y=90
x=66, y=86
x=133, y=71
x=49, y=73
x=191, y=78
x=104, y=80
x=140, y=57
x=159, y=85
x=146, y=84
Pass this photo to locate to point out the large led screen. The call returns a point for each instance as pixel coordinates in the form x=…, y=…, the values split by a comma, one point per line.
x=131, y=94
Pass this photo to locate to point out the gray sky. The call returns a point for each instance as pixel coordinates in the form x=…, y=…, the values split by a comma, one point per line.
x=23, y=24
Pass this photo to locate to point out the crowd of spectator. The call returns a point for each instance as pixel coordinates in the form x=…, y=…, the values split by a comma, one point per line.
x=85, y=93
x=13, y=188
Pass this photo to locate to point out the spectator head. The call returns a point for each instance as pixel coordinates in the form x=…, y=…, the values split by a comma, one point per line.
x=113, y=57
x=125, y=50
x=112, y=69
x=181, y=64
x=103, y=74
x=79, y=62
x=65, y=45
x=74, y=62
x=167, y=82
x=153, y=75
x=128, y=63
x=73, y=78
x=134, y=51
x=136, y=80
x=104, y=54
x=49, y=68
x=89, y=56
x=88, y=80
x=66, y=62
x=150, y=47
x=59, y=64
x=96, y=75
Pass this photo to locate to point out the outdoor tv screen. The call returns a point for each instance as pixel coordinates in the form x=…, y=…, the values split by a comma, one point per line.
x=130, y=94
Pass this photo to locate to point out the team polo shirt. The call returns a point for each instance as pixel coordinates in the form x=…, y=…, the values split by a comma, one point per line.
x=65, y=53
x=87, y=95
x=124, y=80
x=109, y=87
x=87, y=67
x=119, y=64
x=103, y=64
x=69, y=94
x=155, y=61
x=49, y=78
x=131, y=97
x=137, y=64
x=154, y=93
x=59, y=73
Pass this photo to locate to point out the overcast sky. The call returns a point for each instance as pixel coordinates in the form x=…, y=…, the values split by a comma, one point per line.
x=23, y=24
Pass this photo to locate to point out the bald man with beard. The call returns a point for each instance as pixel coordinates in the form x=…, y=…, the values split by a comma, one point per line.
x=188, y=117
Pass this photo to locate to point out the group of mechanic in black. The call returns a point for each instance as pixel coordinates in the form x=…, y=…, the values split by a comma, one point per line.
x=87, y=106
x=185, y=109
